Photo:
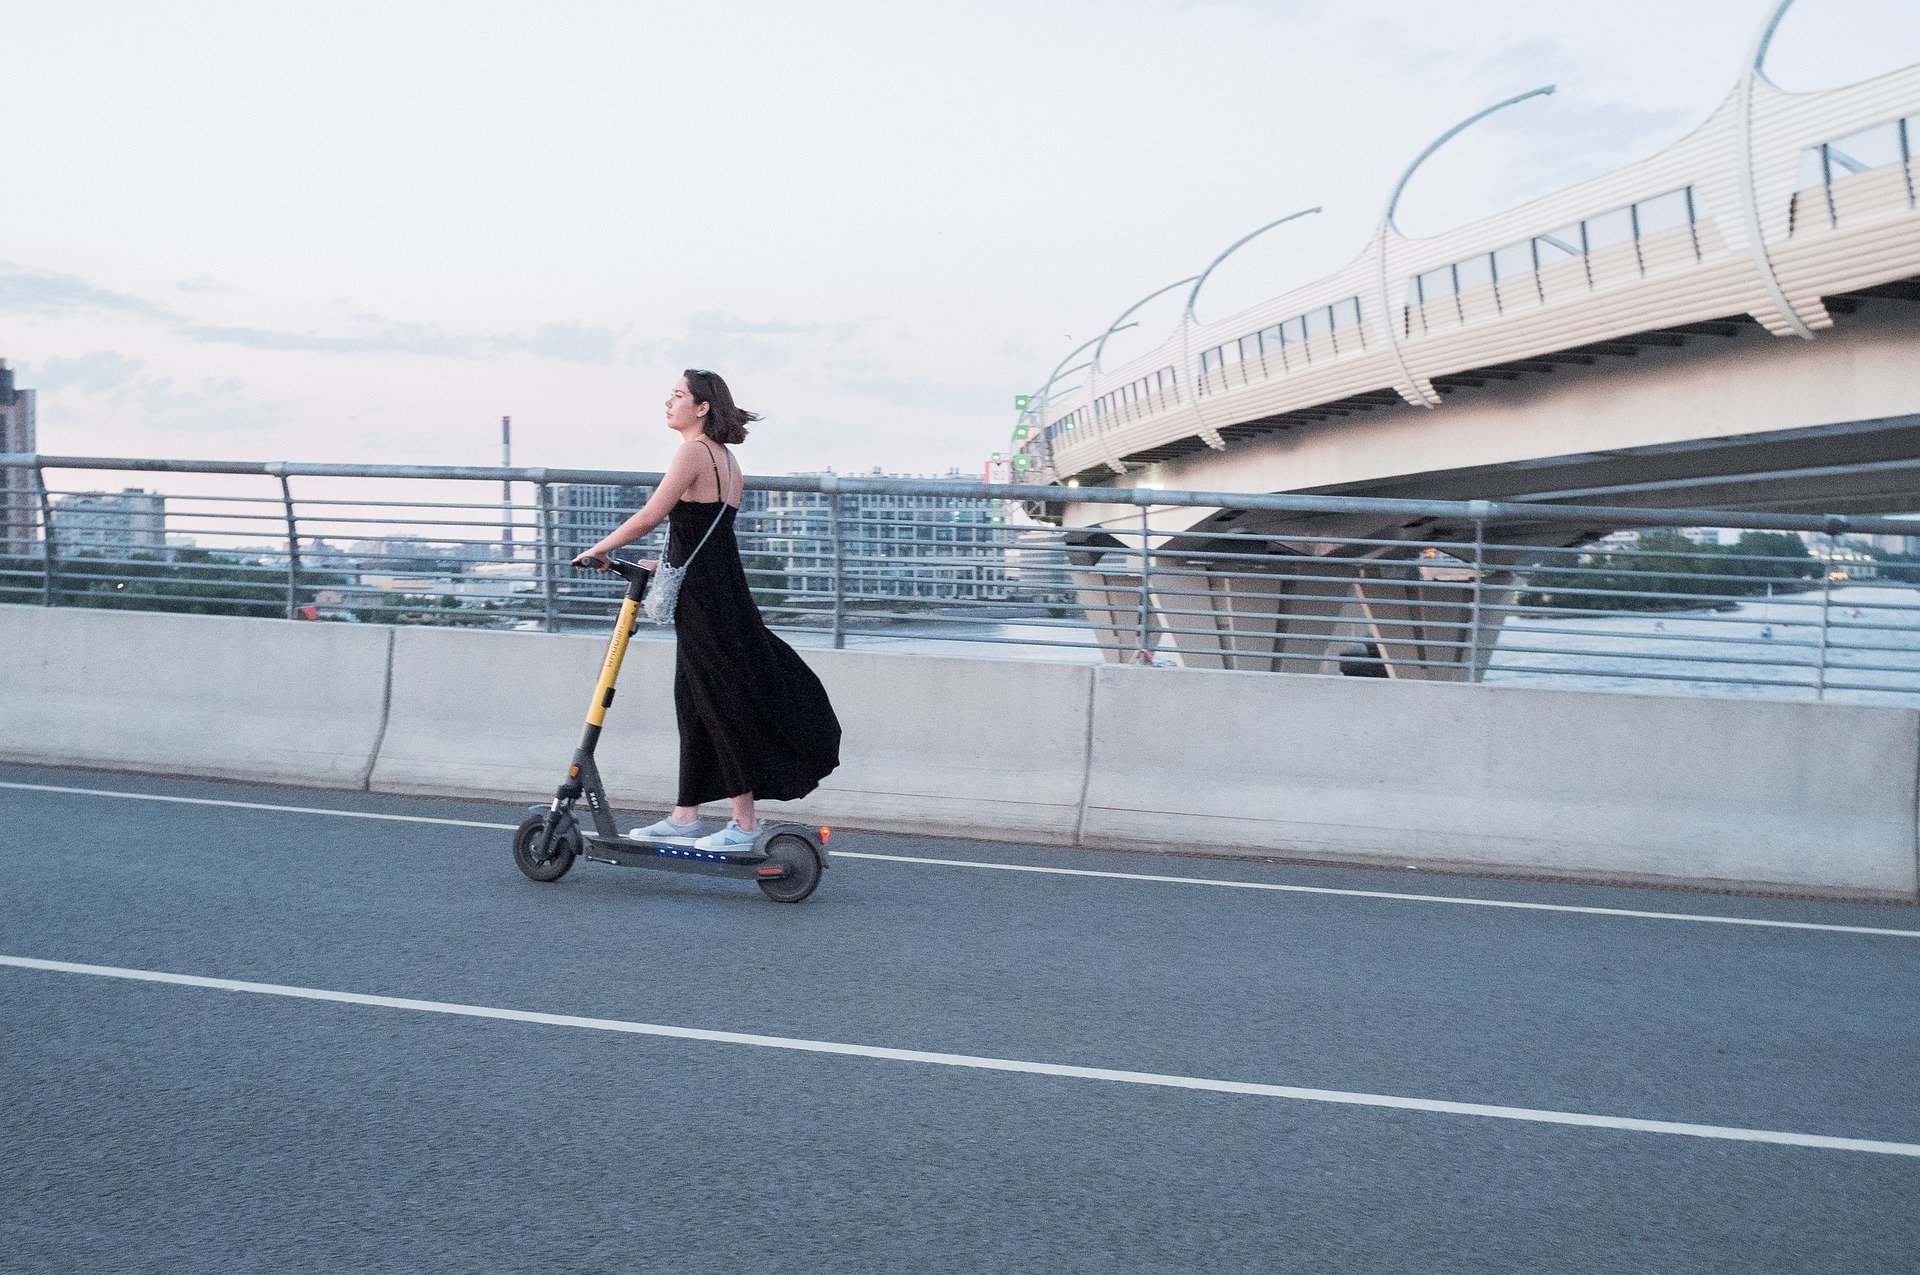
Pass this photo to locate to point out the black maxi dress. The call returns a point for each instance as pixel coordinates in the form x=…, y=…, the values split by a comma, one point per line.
x=753, y=717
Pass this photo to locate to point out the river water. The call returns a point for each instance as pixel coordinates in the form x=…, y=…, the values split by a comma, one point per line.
x=1759, y=648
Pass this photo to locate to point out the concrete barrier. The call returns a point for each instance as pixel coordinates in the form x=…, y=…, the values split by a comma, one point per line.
x=1606, y=785
x=978, y=748
x=217, y=696
x=497, y=715
x=1749, y=792
x=969, y=747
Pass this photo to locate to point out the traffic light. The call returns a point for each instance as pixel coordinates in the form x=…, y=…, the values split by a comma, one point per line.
x=1019, y=433
x=1020, y=402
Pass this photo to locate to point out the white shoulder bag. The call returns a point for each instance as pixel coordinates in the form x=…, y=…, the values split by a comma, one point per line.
x=663, y=591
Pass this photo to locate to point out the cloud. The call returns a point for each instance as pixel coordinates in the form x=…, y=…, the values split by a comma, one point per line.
x=203, y=406
x=1019, y=349
x=202, y=284
x=85, y=389
x=1595, y=138
x=393, y=339
x=97, y=372
x=920, y=392
x=46, y=292
x=732, y=345
x=1536, y=61
x=571, y=341
x=715, y=321
x=568, y=341
x=1267, y=9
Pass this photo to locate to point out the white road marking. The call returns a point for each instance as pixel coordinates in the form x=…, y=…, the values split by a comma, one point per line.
x=1216, y=882
x=255, y=805
x=975, y=1062
x=1397, y=896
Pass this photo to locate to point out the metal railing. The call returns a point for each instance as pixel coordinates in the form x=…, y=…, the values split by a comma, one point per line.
x=1775, y=605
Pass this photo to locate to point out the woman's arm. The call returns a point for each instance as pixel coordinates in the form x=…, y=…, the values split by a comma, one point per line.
x=681, y=471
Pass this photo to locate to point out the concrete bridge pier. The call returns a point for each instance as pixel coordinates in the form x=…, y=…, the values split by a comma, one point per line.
x=1107, y=584
x=1432, y=624
x=1280, y=612
x=1269, y=607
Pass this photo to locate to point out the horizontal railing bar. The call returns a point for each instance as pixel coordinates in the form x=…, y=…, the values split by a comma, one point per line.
x=1473, y=511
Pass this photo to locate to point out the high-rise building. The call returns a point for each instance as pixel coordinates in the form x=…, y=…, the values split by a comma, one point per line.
x=583, y=513
x=894, y=548
x=111, y=524
x=1905, y=545
x=16, y=485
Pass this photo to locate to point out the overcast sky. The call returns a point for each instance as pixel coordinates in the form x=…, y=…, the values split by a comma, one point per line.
x=364, y=231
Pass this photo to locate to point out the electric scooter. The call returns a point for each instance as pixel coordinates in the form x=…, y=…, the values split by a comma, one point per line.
x=786, y=860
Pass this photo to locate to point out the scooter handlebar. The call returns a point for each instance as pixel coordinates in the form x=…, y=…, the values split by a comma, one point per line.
x=628, y=571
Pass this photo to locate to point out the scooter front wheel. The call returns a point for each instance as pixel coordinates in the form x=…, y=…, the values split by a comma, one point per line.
x=802, y=863
x=527, y=854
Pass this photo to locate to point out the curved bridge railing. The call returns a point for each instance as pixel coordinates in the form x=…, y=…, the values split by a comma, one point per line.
x=1776, y=203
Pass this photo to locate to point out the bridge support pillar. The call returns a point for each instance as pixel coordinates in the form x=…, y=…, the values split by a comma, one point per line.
x=1267, y=609
x=1107, y=585
x=1284, y=614
x=1427, y=623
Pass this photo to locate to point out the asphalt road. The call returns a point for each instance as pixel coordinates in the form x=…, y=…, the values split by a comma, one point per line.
x=173, y=1126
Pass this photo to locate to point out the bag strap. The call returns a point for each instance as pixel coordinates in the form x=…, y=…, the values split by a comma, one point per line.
x=722, y=489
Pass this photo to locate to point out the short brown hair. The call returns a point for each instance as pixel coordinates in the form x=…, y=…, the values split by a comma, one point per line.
x=726, y=420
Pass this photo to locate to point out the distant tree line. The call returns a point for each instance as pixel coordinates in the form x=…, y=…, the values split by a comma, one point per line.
x=1897, y=568
x=194, y=581
x=1668, y=563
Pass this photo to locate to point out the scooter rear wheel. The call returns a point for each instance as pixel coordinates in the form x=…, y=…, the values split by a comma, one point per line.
x=526, y=849
x=802, y=863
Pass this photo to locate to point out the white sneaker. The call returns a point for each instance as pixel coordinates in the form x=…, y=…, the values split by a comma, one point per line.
x=666, y=830
x=731, y=837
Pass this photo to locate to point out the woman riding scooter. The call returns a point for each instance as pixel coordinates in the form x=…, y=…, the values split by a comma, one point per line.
x=754, y=720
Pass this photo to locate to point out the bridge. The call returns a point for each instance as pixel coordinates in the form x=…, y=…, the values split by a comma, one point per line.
x=274, y=996
x=1731, y=322
x=1118, y=967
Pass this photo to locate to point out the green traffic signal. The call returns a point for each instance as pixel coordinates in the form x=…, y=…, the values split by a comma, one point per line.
x=1020, y=402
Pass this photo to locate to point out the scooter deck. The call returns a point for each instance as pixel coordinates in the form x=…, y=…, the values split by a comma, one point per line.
x=676, y=855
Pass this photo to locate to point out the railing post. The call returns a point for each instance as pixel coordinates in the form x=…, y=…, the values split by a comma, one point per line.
x=549, y=555
x=49, y=555
x=1826, y=607
x=1145, y=653
x=1479, y=567
x=293, y=546
x=830, y=484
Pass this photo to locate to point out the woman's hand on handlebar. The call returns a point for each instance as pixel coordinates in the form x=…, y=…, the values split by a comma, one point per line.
x=599, y=562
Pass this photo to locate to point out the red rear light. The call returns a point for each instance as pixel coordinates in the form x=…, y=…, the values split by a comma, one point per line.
x=825, y=833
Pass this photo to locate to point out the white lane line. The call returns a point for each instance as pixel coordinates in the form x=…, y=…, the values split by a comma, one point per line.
x=975, y=1062
x=1394, y=895
x=254, y=805
x=1217, y=882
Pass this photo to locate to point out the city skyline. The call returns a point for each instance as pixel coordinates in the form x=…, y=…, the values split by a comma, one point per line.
x=379, y=267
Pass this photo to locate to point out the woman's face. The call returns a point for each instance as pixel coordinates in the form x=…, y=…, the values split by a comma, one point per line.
x=682, y=411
